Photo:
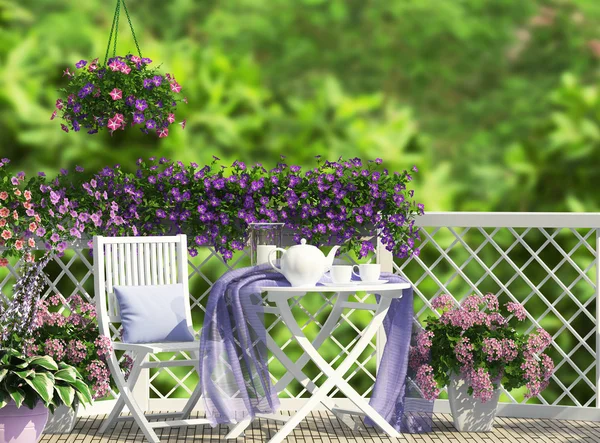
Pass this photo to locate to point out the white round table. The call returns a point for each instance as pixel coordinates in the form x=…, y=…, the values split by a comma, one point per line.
x=335, y=377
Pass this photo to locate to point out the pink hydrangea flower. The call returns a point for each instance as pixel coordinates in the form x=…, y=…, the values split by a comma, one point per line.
x=517, y=310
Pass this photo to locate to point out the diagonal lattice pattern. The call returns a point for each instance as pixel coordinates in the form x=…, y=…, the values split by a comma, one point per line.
x=551, y=271
x=73, y=274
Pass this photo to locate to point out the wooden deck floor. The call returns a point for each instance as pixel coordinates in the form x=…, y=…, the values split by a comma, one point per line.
x=323, y=427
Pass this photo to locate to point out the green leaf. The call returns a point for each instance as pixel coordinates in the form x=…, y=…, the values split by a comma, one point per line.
x=3, y=373
x=3, y=400
x=68, y=374
x=43, y=384
x=84, y=390
x=24, y=374
x=66, y=394
x=46, y=362
x=16, y=394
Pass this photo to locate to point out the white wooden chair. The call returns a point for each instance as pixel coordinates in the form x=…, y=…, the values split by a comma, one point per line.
x=136, y=261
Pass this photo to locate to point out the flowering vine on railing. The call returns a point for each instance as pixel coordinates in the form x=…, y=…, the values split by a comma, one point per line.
x=332, y=202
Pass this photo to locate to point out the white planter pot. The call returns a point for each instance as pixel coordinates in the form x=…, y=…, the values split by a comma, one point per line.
x=62, y=421
x=470, y=414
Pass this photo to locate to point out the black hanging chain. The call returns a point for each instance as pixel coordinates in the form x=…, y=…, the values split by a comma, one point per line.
x=115, y=29
x=132, y=31
x=115, y=18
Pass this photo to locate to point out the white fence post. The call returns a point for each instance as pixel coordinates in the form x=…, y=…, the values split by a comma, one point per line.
x=386, y=260
x=597, y=295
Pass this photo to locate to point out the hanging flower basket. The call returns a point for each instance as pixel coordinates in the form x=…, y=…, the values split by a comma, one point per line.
x=123, y=92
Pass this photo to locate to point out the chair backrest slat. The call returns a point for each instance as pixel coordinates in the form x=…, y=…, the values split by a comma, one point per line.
x=137, y=261
x=161, y=265
x=134, y=264
x=173, y=262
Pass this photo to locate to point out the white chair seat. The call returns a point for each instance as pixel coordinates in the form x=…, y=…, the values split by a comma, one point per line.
x=153, y=348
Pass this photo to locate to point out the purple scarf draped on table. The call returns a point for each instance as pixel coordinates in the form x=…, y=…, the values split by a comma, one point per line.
x=233, y=356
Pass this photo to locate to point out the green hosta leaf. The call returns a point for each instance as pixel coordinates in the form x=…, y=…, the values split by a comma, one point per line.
x=45, y=362
x=3, y=400
x=66, y=394
x=84, y=390
x=3, y=373
x=24, y=374
x=68, y=374
x=43, y=384
x=17, y=394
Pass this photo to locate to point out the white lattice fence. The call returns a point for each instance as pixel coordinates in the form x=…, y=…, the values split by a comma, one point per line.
x=545, y=261
x=73, y=274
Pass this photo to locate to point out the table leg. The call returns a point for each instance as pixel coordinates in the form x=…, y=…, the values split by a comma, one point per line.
x=335, y=376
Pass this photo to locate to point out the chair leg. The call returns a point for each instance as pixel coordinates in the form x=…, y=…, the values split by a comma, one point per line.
x=127, y=396
x=120, y=404
x=189, y=406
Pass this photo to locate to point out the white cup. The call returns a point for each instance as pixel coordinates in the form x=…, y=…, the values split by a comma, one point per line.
x=368, y=273
x=341, y=274
x=262, y=253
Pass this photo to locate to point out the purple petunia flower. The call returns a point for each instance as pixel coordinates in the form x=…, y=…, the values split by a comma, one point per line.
x=130, y=100
x=157, y=80
x=80, y=64
x=138, y=118
x=146, y=61
x=141, y=105
x=150, y=124
x=160, y=213
x=148, y=83
x=76, y=126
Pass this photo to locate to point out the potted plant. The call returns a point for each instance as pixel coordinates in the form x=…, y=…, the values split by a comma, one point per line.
x=30, y=386
x=123, y=91
x=67, y=331
x=472, y=349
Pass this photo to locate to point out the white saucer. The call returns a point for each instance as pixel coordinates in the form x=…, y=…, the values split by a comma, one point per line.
x=352, y=283
x=376, y=282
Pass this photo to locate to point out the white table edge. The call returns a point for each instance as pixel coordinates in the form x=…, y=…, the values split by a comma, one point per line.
x=343, y=288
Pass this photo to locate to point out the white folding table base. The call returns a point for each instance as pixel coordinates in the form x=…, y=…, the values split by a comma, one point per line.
x=335, y=377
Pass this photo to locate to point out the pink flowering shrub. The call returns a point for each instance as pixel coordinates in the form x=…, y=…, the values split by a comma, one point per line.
x=71, y=335
x=474, y=340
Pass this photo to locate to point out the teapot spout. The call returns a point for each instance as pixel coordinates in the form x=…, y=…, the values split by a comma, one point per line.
x=330, y=257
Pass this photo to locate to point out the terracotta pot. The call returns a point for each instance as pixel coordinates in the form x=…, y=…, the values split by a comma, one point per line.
x=22, y=425
x=470, y=414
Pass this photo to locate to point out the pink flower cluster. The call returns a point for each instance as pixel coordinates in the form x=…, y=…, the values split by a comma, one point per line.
x=464, y=353
x=76, y=351
x=443, y=302
x=55, y=348
x=30, y=348
x=427, y=383
x=497, y=350
x=517, y=310
x=536, y=343
x=99, y=375
x=103, y=346
x=419, y=354
x=480, y=381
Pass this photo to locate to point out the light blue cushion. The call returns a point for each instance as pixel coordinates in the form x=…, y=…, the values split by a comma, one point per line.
x=151, y=314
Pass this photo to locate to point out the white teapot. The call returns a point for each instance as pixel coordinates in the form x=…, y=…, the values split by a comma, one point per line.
x=303, y=265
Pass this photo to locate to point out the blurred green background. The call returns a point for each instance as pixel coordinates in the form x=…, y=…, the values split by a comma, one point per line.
x=496, y=101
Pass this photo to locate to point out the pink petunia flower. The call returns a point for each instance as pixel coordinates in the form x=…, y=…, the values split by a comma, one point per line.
x=113, y=125
x=114, y=66
x=175, y=87
x=116, y=94
x=6, y=234
x=3, y=262
x=163, y=132
x=3, y=195
x=53, y=116
x=171, y=118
